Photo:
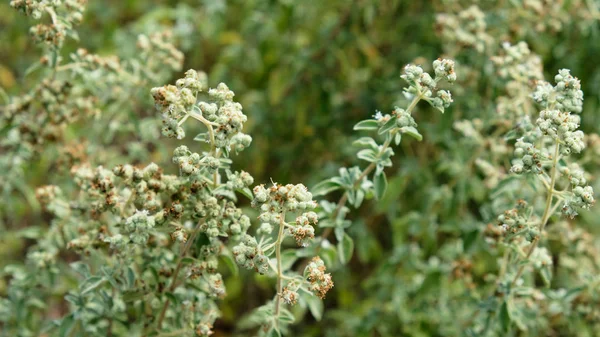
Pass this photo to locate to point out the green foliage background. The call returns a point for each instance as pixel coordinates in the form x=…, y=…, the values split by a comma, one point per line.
x=306, y=72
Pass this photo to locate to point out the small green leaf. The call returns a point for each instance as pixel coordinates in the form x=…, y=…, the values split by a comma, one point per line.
x=172, y=298
x=366, y=141
x=246, y=192
x=411, y=131
x=368, y=124
x=379, y=185
x=286, y=317
x=66, y=325
x=546, y=274
x=187, y=260
x=388, y=126
x=288, y=257
x=230, y=263
x=346, y=248
x=91, y=283
x=273, y=332
x=505, y=316
x=130, y=296
x=315, y=306
x=398, y=138
x=368, y=155
x=130, y=277
x=325, y=187
x=360, y=196
x=32, y=68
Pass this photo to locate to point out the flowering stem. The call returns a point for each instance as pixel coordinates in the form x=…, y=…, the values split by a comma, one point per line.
x=184, y=251
x=342, y=202
x=279, y=271
x=547, y=210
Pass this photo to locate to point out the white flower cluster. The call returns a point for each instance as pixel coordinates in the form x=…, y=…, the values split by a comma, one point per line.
x=64, y=14
x=563, y=126
x=565, y=96
x=320, y=282
x=229, y=118
x=529, y=158
x=239, y=180
x=279, y=198
x=424, y=85
x=581, y=197
x=175, y=102
x=139, y=226
x=465, y=29
x=518, y=63
x=304, y=231
x=190, y=163
x=248, y=255
x=403, y=119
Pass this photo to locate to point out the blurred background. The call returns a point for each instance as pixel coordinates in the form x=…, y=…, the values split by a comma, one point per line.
x=305, y=73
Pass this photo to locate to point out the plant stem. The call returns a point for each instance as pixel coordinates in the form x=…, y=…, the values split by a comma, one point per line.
x=547, y=210
x=342, y=202
x=279, y=271
x=173, y=285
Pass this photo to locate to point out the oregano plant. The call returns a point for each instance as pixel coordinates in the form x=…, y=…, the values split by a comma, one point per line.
x=140, y=199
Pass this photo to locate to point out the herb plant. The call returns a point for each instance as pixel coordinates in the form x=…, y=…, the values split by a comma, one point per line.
x=295, y=207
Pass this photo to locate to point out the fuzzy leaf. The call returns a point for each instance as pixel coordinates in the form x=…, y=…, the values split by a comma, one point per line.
x=315, y=306
x=379, y=185
x=388, y=126
x=411, y=131
x=346, y=248
x=325, y=187
x=368, y=124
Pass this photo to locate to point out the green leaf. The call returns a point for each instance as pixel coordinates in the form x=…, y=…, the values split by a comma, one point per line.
x=201, y=137
x=130, y=277
x=346, y=248
x=288, y=257
x=398, y=138
x=366, y=141
x=273, y=332
x=390, y=124
x=328, y=254
x=90, y=284
x=325, y=187
x=230, y=263
x=546, y=274
x=32, y=232
x=505, y=316
x=66, y=325
x=130, y=296
x=32, y=68
x=315, y=306
x=470, y=239
x=411, y=131
x=360, y=196
x=368, y=155
x=368, y=124
x=172, y=298
x=247, y=193
x=379, y=185
x=285, y=316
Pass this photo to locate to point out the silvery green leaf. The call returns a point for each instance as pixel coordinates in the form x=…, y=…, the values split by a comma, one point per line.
x=411, y=131
x=325, y=187
x=368, y=124
x=366, y=141
x=345, y=248
x=390, y=124
x=367, y=154
x=379, y=185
